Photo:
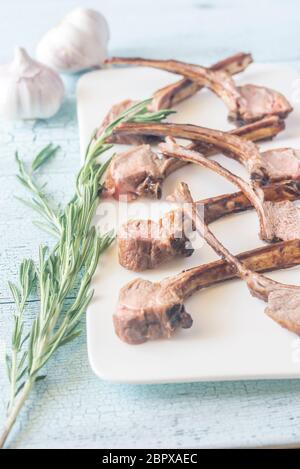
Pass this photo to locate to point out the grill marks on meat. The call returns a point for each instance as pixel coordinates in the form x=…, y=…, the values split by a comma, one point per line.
x=145, y=244
x=229, y=143
x=154, y=310
x=272, y=227
x=246, y=103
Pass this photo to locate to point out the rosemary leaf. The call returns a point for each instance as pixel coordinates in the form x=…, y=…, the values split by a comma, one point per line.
x=61, y=278
x=43, y=156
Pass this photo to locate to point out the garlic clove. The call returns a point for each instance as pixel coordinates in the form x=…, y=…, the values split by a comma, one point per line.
x=77, y=43
x=29, y=89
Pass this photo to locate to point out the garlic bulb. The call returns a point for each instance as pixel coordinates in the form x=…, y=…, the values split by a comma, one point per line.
x=77, y=43
x=29, y=89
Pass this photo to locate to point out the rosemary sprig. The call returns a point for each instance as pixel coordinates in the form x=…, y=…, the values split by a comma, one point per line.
x=62, y=276
x=39, y=201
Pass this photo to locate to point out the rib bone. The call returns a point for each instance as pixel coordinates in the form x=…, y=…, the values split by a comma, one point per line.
x=173, y=94
x=227, y=204
x=229, y=143
x=145, y=244
x=148, y=310
x=168, y=96
x=139, y=172
x=283, y=300
x=278, y=220
x=246, y=103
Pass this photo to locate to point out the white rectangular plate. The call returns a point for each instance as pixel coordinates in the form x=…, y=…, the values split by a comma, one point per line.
x=231, y=337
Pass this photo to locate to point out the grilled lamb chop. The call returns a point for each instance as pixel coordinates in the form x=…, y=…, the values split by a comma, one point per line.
x=140, y=172
x=273, y=165
x=247, y=103
x=173, y=94
x=227, y=204
x=148, y=310
x=145, y=244
x=278, y=220
x=283, y=300
x=170, y=95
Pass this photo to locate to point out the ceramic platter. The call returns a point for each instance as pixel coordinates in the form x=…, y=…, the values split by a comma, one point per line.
x=231, y=337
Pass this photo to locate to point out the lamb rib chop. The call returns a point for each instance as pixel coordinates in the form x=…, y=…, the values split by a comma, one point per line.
x=272, y=165
x=145, y=244
x=278, y=220
x=173, y=94
x=140, y=172
x=148, y=310
x=246, y=103
x=170, y=95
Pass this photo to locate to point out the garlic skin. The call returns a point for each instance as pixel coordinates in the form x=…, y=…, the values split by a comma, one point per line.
x=29, y=89
x=77, y=43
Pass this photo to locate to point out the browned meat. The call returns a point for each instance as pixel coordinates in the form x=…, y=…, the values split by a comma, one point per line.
x=284, y=306
x=145, y=244
x=264, y=129
x=282, y=163
x=133, y=173
x=230, y=143
x=148, y=310
x=285, y=217
x=246, y=103
x=272, y=227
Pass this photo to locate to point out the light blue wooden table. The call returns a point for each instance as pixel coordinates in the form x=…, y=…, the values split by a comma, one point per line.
x=72, y=408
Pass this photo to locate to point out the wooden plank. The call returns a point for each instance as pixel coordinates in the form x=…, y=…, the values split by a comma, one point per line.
x=72, y=408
